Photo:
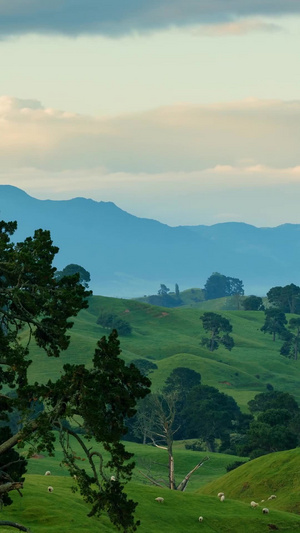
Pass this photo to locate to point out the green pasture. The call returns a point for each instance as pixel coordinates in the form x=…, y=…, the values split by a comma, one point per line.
x=172, y=338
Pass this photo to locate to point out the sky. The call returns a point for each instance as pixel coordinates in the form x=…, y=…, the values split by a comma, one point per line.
x=184, y=111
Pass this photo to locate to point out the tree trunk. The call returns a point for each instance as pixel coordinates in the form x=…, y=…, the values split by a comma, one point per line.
x=171, y=470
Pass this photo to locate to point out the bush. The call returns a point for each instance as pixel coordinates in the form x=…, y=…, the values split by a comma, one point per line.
x=112, y=321
x=233, y=466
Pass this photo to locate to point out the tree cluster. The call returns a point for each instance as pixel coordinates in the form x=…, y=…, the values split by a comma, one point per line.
x=276, y=425
x=219, y=286
x=112, y=321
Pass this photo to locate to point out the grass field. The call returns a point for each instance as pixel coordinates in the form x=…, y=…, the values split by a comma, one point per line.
x=64, y=512
x=172, y=338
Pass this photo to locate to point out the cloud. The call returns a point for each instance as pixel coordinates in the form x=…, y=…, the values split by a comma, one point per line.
x=168, y=139
x=119, y=17
x=238, y=27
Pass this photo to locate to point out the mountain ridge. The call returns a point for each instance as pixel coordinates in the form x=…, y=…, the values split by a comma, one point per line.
x=130, y=256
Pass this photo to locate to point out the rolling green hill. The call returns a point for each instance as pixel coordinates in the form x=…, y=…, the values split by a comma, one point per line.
x=63, y=511
x=172, y=338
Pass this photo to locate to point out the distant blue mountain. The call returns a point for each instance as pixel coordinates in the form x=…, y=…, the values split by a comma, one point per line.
x=130, y=256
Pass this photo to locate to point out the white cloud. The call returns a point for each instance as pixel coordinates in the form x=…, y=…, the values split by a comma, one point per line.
x=180, y=138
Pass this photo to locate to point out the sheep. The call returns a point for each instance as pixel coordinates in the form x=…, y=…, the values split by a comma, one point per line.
x=272, y=497
x=220, y=494
x=50, y=489
x=222, y=498
x=200, y=518
x=159, y=499
x=112, y=478
x=254, y=504
x=48, y=473
x=265, y=510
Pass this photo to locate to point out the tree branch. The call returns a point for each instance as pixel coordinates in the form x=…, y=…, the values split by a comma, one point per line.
x=14, y=524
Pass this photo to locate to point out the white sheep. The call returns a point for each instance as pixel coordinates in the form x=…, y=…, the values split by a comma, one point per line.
x=222, y=498
x=159, y=499
x=272, y=497
x=254, y=504
x=265, y=510
x=200, y=518
x=50, y=489
x=48, y=473
x=220, y=494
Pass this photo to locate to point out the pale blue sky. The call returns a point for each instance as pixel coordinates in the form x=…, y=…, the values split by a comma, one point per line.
x=147, y=104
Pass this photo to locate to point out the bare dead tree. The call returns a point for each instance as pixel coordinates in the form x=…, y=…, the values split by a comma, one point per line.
x=160, y=430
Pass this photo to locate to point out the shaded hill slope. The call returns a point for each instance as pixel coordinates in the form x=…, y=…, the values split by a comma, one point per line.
x=276, y=473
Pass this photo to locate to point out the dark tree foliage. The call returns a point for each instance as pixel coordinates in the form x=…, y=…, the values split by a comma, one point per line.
x=253, y=303
x=145, y=367
x=273, y=400
x=73, y=269
x=290, y=347
x=287, y=298
x=182, y=380
x=111, y=321
x=218, y=286
x=218, y=328
x=34, y=302
x=276, y=427
x=275, y=321
x=209, y=414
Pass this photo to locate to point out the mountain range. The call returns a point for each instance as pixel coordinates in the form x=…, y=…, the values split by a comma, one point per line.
x=128, y=256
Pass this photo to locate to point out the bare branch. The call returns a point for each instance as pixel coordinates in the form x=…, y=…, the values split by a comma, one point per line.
x=14, y=524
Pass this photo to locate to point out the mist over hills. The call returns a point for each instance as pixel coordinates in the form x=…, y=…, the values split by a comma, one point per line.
x=129, y=256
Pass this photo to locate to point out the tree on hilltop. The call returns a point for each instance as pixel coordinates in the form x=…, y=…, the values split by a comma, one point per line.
x=84, y=276
x=37, y=307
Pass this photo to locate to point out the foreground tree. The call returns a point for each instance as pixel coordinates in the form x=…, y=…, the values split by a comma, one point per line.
x=37, y=306
x=218, y=328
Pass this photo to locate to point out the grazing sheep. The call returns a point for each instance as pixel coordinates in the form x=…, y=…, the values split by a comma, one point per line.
x=200, y=518
x=50, y=489
x=222, y=498
x=265, y=510
x=262, y=501
x=48, y=473
x=220, y=494
x=254, y=504
x=159, y=499
x=272, y=497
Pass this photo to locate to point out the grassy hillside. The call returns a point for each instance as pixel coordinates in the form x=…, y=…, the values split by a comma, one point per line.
x=172, y=338
x=64, y=512
x=276, y=473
